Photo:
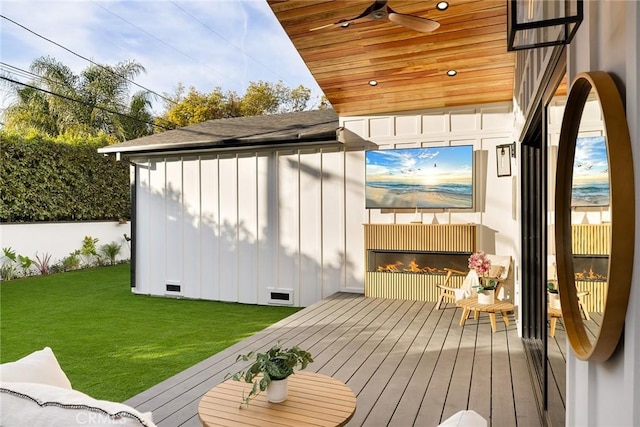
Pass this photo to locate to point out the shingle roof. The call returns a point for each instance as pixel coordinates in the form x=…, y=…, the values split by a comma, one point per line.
x=274, y=129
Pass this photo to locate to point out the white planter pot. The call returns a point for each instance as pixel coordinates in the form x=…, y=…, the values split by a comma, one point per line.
x=487, y=297
x=554, y=301
x=277, y=390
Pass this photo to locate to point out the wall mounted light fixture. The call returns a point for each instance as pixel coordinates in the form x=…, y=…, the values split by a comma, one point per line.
x=503, y=159
x=535, y=23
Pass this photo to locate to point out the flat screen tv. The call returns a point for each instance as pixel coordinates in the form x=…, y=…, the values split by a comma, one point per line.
x=420, y=178
x=590, y=173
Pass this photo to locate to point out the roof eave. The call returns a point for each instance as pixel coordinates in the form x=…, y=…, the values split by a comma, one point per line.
x=327, y=137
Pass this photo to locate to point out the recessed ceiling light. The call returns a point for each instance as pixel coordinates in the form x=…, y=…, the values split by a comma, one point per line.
x=451, y=73
x=442, y=5
x=373, y=83
x=345, y=24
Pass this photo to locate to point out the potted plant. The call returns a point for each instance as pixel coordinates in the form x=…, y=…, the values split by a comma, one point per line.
x=486, y=291
x=270, y=371
x=554, y=297
x=486, y=287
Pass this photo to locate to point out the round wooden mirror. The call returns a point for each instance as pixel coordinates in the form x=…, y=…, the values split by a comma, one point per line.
x=596, y=344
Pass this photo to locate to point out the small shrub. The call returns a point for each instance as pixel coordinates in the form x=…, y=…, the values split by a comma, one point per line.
x=8, y=272
x=71, y=262
x=111, y=251
x=25, y=264
x=8, y=269
x=89, y=251
x=43, y=263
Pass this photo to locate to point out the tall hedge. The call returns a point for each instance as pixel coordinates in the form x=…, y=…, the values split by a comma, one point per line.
x=44, y=179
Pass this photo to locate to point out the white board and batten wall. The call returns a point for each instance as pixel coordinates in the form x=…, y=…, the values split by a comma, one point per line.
x=251, y=225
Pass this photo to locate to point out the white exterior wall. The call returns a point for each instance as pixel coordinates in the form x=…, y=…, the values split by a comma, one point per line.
x=484, y=127
x=231, y=227
x=607, y=394
x=61, y=238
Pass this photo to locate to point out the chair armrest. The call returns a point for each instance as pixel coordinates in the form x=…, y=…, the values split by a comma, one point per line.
x=452, y=271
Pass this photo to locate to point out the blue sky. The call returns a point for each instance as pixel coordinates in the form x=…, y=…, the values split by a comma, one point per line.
x=205, y=44
x=590, y=163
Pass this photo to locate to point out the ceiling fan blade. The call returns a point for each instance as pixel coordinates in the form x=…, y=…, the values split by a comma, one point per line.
x=378, y=4
x=323, y=26
x=416, y=23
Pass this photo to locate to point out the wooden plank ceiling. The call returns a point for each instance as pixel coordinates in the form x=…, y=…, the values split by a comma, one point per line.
x=410, y=67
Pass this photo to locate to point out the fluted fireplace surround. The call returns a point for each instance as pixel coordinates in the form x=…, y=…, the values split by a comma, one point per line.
x=408, y=261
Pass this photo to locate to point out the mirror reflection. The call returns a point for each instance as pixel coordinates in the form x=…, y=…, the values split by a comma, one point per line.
x=590, y=218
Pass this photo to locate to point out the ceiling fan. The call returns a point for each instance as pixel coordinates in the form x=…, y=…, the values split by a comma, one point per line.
x=380, y=11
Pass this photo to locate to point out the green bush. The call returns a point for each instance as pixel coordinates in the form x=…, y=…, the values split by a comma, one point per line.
x=45, y=179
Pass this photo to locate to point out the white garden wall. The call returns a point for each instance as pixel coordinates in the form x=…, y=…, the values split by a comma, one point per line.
x=61, y=238
x=236, y=226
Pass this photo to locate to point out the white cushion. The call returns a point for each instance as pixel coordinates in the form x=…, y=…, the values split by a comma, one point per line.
x=38, y=367
x=42, y=405
x=464, y=419
x=504, y=261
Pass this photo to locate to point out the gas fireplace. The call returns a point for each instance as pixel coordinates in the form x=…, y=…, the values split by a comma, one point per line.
x=416, y=262
x=591, y=268
x=408, y=261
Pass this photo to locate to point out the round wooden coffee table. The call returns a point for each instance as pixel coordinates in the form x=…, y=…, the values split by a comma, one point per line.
x=313, y=399
x=471, y=304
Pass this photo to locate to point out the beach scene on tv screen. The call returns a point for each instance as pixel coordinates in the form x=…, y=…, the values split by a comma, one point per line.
x=438, y=177
x=590, y=173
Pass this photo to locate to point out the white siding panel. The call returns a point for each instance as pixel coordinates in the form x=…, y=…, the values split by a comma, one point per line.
x=228, y=229
x=247, y=231
x=157, y=241
x=407, y=125
x=174, y=255
x=356, y=126
x=142, y=223
x=333, y=211
x=191, y=228
x=463, y=120
x=380, y=127
x=435, y=123
x=495, y=118
x=354, y=218
x=209, y=227
x=267, y=225
x=288, y=224
x=311, y=179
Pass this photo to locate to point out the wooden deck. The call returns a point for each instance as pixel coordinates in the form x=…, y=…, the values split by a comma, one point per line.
x=557, y=368
x=407, y=363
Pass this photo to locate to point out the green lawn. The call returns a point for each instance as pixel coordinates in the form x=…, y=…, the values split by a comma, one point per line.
x=111, y=343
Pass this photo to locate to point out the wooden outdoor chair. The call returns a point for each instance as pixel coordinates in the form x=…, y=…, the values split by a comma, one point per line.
x=447, y=291
x=501, y=267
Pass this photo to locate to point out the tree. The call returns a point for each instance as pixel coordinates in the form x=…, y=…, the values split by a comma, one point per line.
x=94, y=102
x=196, y=107
x=260, y=98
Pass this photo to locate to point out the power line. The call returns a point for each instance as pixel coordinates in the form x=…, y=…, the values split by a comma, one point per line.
x=87, y=59
x=166, y=44
x=28, y=74
x=24, y=73
x=79, y=101
x=225, y=39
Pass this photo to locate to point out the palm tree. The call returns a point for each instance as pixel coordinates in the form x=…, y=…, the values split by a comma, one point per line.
x=93, y=102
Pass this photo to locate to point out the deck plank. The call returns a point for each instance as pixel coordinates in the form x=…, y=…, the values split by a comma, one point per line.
x=523, y=395
x=413, y=399
x=407, y=363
